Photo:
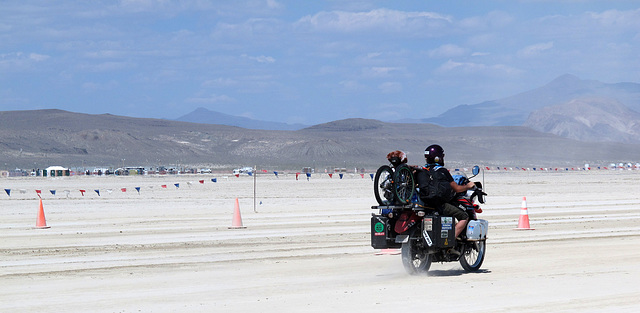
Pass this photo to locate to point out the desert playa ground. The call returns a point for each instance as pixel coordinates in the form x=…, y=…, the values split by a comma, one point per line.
x=306, y=247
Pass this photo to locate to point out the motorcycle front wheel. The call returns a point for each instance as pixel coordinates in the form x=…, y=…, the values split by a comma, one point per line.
x=473, y=256
x=415, y=259
x=383, y=185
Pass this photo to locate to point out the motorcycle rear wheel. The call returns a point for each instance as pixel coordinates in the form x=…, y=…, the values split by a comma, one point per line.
x=414, y=259
x=383, y=185
x=405, y=185
x=473, y=257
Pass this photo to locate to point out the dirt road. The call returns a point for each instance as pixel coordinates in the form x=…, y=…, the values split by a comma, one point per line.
x=306, y=247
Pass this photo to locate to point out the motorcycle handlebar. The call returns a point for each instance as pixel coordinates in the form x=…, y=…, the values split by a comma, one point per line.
x=477, y=191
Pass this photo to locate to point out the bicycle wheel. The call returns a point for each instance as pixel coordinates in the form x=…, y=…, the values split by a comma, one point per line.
x=383, y=185
x=405, y=185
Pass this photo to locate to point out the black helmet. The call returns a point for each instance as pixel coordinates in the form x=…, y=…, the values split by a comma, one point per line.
x=434, y=154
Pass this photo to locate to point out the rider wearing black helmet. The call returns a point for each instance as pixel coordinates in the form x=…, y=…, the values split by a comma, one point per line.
x=434, y=155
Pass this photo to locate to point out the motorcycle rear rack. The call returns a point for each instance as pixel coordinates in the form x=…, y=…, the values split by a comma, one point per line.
x=409, y=206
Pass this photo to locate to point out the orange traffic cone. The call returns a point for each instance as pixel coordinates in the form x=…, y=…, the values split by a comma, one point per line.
x=237, y=219
x=41, y=222
x=523, y=222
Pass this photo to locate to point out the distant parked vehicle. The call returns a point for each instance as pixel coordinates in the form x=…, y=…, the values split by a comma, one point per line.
x=244, y=170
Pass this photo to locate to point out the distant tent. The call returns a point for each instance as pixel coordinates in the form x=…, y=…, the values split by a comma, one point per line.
x=56, y=171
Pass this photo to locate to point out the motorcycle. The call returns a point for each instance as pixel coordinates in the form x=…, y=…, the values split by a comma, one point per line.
x=421, y=232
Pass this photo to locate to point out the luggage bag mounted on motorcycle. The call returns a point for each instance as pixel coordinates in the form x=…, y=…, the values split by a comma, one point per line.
x=437, y=231
x=477, y=230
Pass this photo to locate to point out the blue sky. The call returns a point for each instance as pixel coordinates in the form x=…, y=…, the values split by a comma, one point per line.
x=299, y=61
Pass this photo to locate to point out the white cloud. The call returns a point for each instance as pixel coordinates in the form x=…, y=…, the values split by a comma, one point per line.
x=447, y=51
x=106, y=66
x=381, y=71
x=535, y=50
x=148, y=5
x=629, y=20
x=20, y=61
x=377, y=20
x=256, y=30
x=219, y=82
x=492, y=20
x=467, y=68
x=273, y=4
x=38, y=57
x=260, y=59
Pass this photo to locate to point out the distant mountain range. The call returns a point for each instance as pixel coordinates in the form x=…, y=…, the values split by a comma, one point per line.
x=37, y=139
x=588, y=119
x=204, y=116
x=567, y=121
x=514, y=110
x=568, y=106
